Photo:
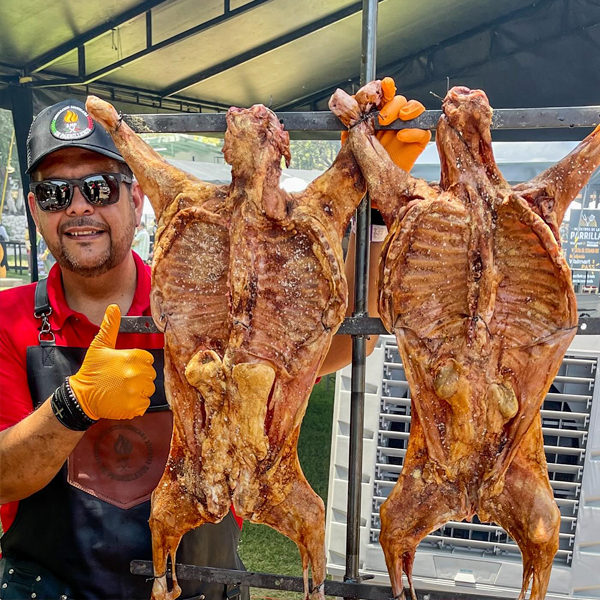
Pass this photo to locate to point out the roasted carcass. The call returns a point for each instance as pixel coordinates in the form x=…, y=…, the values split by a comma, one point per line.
x=248, y=286
x=474, y=284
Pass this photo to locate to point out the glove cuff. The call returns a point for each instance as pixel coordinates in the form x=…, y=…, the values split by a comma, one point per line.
x=67, y=409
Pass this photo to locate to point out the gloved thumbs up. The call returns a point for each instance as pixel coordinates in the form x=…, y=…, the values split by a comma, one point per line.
x=113, y=384
x=109, y=329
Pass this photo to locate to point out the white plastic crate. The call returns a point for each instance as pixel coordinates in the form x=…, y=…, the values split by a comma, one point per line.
x=477, y=557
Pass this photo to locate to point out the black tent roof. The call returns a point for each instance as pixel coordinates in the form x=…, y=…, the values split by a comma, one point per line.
x=187, y=55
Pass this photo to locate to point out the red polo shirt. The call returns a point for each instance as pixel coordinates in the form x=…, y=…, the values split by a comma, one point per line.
x=19, y=329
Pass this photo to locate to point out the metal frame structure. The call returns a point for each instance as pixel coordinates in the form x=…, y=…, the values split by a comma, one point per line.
x=302, y=123
x=348, y=589
x=359, y=325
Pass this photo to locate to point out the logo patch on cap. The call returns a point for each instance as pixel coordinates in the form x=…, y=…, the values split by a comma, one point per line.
x=71, y=123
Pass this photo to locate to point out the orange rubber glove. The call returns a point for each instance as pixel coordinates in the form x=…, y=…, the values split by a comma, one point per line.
x=113, y=384
x=406, y=145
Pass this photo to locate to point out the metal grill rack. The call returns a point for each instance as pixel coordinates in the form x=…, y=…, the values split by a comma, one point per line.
x=568, y=449
x=565, y=424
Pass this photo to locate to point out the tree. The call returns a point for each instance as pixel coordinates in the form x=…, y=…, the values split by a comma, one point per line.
x=313, y=154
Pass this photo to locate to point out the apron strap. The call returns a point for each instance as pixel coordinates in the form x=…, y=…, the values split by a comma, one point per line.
x=42, y=303
x=42, y=310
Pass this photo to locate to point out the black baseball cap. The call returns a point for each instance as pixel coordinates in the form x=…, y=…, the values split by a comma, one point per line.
x=66, y=125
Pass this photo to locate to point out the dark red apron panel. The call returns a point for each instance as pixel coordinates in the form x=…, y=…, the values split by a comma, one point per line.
x=121, y=462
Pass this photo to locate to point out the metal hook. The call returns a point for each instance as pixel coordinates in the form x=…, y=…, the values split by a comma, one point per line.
x=364, y=118
x=45, y=327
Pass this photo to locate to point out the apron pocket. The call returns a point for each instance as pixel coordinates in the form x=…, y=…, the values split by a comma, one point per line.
x=121, y=462
x=23, y=580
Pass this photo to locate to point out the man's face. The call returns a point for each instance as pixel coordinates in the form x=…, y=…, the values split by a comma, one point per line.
x=86, y=239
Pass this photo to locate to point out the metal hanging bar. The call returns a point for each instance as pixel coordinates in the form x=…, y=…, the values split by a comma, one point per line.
x=287, y=582
x=361, y=310
x=503, y=118
x=351, y=326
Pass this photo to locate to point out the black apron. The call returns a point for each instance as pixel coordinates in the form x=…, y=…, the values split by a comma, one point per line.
x=75, y=538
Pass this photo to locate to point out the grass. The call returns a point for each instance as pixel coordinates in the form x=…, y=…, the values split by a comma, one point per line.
x=265, y=550
x=25, y=276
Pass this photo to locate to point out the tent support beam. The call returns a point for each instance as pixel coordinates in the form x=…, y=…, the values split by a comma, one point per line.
x=244, y=57
x=22, y=112
x=149, y=49
x=57, y=53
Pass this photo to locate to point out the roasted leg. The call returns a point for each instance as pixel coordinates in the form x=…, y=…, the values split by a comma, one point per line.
x=300, y=517
x=526, y=509
x=168, y=522
x=552, y=191
x=419, y=504
x=390, y=187
x=161, y=182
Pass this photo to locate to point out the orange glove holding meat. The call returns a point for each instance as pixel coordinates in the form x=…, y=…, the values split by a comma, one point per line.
x=113, y=384
x=406, y=145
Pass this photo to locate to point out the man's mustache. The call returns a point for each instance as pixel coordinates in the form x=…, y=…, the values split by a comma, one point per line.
x=83, y=222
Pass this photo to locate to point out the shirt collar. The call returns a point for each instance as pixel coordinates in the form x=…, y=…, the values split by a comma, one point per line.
x=61, y=311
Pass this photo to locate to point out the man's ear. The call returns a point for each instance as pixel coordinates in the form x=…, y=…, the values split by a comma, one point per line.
x=137, y=197
x=33, y=209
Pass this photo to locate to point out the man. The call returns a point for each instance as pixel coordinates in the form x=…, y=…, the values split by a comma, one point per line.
x=141, y=242
x=75, y=497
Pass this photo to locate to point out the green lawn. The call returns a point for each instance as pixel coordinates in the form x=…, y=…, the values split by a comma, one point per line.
x=265, y=550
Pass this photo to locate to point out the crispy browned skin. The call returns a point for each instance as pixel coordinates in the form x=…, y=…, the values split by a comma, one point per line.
x=248, y=286
x=474, y=284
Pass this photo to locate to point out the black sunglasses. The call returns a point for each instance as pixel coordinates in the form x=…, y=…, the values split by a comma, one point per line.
x=100, y=189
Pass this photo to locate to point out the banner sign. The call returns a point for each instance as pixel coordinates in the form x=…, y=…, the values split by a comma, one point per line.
x=581, y=244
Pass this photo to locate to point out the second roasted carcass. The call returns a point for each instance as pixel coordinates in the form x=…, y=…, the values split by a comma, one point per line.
x=248, y=286
x=475, y=286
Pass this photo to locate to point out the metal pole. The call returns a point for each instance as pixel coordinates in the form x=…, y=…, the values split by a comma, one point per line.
x=22, y=111
x=361, y=288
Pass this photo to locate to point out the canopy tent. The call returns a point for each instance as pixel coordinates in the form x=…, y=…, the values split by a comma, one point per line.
x=185, y=55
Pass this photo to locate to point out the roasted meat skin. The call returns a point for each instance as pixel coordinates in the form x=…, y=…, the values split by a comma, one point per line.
x=474, y=284
x=248, y=287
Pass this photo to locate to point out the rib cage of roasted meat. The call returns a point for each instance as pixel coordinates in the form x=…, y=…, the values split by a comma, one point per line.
x=474, y=284
x=248, y=286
